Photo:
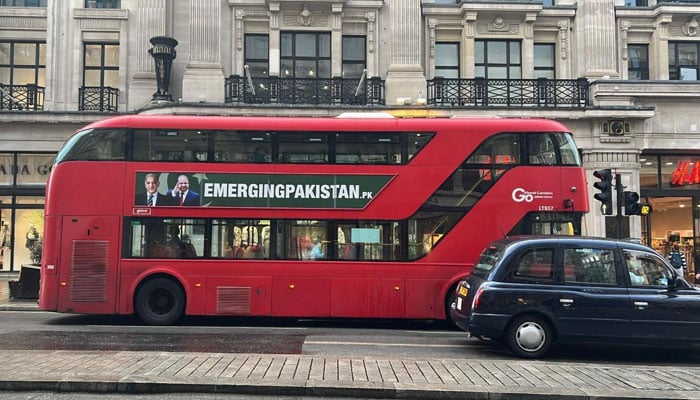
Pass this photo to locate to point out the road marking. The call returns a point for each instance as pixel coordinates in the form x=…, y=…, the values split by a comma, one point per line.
x=329, y=343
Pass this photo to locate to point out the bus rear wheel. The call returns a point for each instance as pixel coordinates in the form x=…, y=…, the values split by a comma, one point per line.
x=159, y=301
x=449, y=299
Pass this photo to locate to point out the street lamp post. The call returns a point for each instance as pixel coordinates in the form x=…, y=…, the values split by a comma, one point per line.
x=163, y=52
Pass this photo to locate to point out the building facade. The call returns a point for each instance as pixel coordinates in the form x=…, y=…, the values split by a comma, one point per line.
x=624, y=75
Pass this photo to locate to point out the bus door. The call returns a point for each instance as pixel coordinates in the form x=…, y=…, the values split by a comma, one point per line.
x=89, y=264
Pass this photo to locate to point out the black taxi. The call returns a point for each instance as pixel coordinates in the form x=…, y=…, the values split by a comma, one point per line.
x=532, y=292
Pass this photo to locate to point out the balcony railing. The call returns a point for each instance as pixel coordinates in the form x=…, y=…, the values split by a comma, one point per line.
x=21, y=97
x=331, y=91
x=481, y=92
x=96, y=98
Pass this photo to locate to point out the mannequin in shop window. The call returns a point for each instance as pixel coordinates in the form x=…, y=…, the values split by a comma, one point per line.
x=33, y=244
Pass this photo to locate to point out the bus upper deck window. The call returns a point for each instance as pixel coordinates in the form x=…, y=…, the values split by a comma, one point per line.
x=95, y=144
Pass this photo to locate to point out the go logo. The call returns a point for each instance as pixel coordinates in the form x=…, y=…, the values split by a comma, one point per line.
x=519, y=195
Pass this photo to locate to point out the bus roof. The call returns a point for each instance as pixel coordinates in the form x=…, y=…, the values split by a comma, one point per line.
x=325, y=123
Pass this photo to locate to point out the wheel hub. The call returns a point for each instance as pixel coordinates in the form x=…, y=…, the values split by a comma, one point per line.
x=530, y=337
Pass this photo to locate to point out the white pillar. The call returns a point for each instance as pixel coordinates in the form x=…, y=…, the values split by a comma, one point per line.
x=203, y=80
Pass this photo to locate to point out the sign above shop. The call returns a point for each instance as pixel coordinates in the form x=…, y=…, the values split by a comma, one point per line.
x=686, y=173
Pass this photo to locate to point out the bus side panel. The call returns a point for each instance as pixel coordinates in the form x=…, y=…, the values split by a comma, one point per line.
x=300, y=296
x=574, y=187
x=243, y=295
x=422, y=296
x=89, y=264
x=368, y=297
x=48, y=289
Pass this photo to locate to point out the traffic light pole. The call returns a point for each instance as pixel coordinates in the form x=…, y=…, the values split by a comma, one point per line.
x=618, y=191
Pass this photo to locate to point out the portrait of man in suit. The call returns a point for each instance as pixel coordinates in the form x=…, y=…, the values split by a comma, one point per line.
x=181, y=193
x=151, y=197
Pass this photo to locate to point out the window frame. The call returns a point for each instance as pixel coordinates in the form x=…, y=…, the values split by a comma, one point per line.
x=675, y=67
x=641, y=71
x=103, y=4
x=294, y=58
x=249, y=60
x=23, y=3
x=486, y=65
x=38, y=67
x=102, y=67
x=543, y=69
x=440, y=67
x=348, y=61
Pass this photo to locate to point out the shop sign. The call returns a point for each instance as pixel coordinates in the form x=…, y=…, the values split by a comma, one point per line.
x=686, y=173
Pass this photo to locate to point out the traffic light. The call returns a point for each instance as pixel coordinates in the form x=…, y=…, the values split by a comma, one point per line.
x=632, y=206
x=605, y=186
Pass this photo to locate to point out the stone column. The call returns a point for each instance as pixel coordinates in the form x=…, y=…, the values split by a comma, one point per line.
x=372, y=56
x=622, y=161
x=528, y=46
x=203, y=80
x=564, y=71
x=467, y=51
x=658, y=66
x=596, y=49
x=151, y=17
x=275, y=40
x=405, y=76
x=336, y=40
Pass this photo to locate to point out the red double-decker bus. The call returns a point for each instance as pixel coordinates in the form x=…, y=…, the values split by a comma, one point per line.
x=165, y=216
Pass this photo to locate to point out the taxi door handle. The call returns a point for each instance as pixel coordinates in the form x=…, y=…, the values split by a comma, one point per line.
x=566, y=302
x=641, y=305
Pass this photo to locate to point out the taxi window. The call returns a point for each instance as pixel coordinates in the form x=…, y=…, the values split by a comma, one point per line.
x=646, y=269
x=488, y=259
x=535, y=264
x=589, y=265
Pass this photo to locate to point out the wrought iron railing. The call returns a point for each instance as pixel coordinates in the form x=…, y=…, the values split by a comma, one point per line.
x=97, y=98
x=21, y=97
x=481, y=92
x=331, y=91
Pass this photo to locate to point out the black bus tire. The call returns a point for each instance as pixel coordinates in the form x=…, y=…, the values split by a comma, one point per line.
x=159, y=301
x=449, y=299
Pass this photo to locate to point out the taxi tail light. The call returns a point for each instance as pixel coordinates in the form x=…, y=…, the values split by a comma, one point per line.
x=477, y=297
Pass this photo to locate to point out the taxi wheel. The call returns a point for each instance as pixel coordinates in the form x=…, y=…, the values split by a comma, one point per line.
x=160, y=301
x=529, y=336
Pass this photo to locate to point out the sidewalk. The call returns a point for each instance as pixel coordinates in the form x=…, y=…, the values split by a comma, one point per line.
x=322, y=375
x=359, y=377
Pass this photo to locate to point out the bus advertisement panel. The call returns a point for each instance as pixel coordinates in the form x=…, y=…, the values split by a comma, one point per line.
x=166, y=216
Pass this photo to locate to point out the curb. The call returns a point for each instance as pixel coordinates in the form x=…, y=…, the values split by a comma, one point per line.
x=144, y=385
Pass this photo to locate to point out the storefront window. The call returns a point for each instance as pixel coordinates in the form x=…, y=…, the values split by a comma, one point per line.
x=5, y=233
x=649, y=172
x=30, y=200
x=33, y=169
x=6, y=163
x=30, y=235
x=23, y=177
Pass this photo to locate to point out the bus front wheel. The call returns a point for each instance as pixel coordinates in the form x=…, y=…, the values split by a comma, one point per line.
x=160, y=301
